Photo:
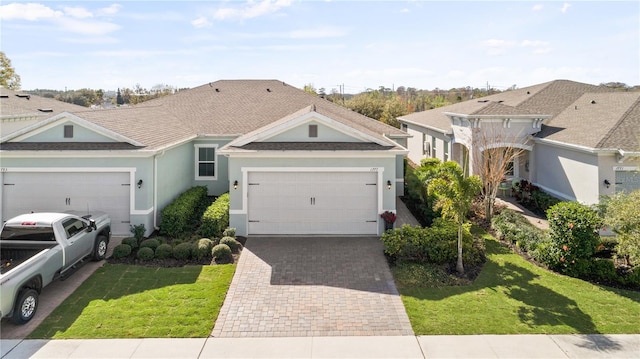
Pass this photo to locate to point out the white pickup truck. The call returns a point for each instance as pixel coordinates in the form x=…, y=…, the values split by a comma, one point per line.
x=37, y=248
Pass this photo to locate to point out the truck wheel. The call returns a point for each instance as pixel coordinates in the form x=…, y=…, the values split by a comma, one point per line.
x=25, y=307
x=100, y=250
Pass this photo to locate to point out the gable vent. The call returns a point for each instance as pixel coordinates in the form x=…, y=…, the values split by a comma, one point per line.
x=45, y=109
x=313, y=130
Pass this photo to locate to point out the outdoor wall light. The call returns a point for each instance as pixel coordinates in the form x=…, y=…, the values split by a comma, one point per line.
x=388, y=184
x=139, y=183
x=235, y=184
x=607, y=183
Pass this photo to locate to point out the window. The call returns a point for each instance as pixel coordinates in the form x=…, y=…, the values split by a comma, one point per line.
x=510, y=169
x=68, y=131
x=433, y=147
x=446, y=151
x=73, y=226
x=313, y=130
x=206, y=164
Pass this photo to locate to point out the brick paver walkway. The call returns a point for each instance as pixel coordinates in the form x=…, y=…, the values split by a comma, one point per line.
x=312, y=286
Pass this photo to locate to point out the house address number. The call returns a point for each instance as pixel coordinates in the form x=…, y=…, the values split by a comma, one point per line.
x=625, y=168
x=4, y=169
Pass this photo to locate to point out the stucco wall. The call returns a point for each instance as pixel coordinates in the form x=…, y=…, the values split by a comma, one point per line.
x=568, y=173
x=415, y=144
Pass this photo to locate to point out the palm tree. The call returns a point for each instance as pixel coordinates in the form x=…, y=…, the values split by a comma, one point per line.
x=455, y=194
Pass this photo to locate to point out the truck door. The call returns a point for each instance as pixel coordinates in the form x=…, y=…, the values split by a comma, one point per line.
x=78, y=242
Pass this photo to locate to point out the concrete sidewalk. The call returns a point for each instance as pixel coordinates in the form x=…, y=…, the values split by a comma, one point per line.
x=420, y=347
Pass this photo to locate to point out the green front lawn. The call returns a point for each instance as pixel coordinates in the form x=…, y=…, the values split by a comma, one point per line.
x=129, y=301
x=513, y=296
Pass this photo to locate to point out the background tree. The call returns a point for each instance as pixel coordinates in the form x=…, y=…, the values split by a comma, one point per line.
x=455, y=194
x=623, y=216
x=9, y=79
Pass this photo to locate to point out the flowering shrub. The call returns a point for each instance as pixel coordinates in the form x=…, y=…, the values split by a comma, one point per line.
x=388, y=217
x=573, y=231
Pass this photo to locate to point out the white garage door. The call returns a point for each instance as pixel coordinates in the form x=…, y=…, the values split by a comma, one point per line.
x=25, y=192
x=312, y=203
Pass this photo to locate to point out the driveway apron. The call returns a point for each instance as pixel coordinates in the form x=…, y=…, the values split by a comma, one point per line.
x=312, y=286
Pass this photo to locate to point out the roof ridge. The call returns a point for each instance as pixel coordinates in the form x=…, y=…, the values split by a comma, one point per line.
x=620, y=120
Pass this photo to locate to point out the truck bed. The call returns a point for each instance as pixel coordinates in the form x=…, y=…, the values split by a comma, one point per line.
x=13, y=254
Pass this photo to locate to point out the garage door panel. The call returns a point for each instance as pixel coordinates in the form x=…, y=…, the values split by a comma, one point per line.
x=312, y=203
x=25, y=192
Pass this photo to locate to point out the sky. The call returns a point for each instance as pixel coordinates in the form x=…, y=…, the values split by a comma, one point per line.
x=347, y=46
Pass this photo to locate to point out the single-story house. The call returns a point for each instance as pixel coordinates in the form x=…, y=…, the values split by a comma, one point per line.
x=292, y=162
x=578, y=141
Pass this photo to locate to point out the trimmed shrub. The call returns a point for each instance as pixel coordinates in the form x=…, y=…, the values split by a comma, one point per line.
x=511, y=226
x=145, y=254
x=216, y=217
x=182, y=215
x=132, y=242
x=221, y=253
x=203, y=248
x=542, y=201
x=150, y=243
x=183, y=251
x=437, y=244
x=231, y=242
x=603, y=270
x=138, y=231
x=121, y=251
x=164, y=251
x=229, y=232
x=573, y=233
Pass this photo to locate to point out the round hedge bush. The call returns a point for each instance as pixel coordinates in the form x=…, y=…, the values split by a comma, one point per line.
x=221, y=252
x=203, y=248
x=229, y=232
x=183, y=251
x=150, y=243
x=231, y=242
x=121, y=251
x=131, y=241
x=164, y=251
x=145, y=254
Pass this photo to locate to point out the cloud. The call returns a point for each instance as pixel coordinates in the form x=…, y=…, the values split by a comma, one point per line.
x=201, y=22
x=87, y=27
x=565, y=7
x=77, y=12
x=537, y=7
x=110, y=10
x=30, y=12
x=533, y=43
x=251, y=9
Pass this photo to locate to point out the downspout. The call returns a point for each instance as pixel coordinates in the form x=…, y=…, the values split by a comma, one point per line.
x=155, y=189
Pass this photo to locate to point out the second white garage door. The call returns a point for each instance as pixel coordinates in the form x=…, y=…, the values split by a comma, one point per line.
x=25, y=192
x=312, y=203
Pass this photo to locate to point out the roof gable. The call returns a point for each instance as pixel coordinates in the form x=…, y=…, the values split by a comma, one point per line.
x=52, y=130
x=294, y=131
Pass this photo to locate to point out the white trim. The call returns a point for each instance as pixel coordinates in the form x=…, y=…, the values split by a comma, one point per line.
x=197, y=147
x=570, y=146
x=311, y=154
x=78, y=154
x=506, y=144
x=245, y=176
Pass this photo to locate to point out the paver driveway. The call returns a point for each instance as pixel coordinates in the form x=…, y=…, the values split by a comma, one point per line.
x=312, y=286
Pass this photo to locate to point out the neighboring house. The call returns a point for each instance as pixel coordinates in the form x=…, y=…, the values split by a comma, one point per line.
x=580, y=141
x=292, y=162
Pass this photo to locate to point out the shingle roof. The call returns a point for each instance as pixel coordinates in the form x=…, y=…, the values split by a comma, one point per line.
x=18, y=104
x=613, y=122
x=226, y=107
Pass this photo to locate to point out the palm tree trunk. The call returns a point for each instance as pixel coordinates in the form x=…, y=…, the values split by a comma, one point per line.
x=460, y=265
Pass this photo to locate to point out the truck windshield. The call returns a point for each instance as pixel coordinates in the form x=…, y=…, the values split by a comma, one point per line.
x=28, y=234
